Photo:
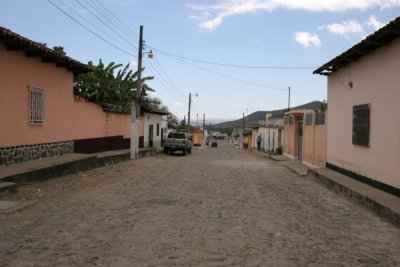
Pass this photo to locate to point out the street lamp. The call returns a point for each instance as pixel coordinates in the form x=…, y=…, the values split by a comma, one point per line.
x=135, y=105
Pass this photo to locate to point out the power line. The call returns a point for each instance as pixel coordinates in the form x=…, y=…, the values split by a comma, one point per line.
x=104, y=23
x=129, y=31
x=86, y=20
x=161, y=80
x=231, y=65
x=174, y=85
x=89, y=30
x=230, y=77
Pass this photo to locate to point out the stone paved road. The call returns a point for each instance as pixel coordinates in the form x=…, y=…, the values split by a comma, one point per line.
x=216, y=207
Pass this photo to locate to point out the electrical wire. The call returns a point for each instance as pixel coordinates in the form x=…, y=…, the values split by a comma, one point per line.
x=105, y=24
x=117, y=20
x=161, y=80
x=172, y=82
x=86, y=20
x=89, y=30
x=230, y=77
x=230, y=65
x=165, y=82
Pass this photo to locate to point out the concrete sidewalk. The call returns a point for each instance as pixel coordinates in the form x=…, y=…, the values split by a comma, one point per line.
x=46, y=168
x=383, y=204
x=386, y=205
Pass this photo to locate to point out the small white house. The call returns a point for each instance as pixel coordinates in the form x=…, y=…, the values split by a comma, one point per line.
x=155, y=127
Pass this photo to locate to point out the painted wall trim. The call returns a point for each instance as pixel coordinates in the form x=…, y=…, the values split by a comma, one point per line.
x=366, y=180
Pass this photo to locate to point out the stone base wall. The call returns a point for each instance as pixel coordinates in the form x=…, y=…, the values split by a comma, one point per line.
x=22, y=153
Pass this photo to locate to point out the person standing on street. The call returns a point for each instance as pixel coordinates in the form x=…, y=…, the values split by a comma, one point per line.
x=259, y=139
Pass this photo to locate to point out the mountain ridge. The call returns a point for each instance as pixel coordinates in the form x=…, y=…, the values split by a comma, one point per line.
x=255, y=117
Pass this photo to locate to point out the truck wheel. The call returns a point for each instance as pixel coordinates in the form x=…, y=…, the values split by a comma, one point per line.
x=184, y=152
x=165, y=150
x=190, y=151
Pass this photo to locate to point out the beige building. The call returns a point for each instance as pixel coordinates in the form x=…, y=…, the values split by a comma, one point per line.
x=305, y=137
x=363, y=135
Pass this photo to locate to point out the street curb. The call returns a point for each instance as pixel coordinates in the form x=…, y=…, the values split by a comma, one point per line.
x=55, y=170
x=16, y=206
x=384, y=211
x=66, y=168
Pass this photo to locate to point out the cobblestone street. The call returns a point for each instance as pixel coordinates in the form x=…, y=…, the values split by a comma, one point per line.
x=216, y=207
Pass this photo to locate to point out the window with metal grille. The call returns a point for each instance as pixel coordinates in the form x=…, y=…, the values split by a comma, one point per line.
x=361, y=122
x=320, y=119
x=309, y=120
x=158, y=129
x=285, y=120
x=36, y=99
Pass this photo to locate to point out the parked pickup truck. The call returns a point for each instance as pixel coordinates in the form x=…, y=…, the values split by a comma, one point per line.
x=178, y=141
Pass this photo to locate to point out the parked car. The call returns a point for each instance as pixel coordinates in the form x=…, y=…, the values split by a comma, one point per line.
x=178, y=141
x=214, y=143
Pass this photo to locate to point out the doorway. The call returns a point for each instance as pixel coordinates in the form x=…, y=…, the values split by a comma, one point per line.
x=151, y=135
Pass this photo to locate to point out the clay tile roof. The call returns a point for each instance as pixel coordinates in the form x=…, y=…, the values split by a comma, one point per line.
x=381, y=37
x=148, y=109
x=15, y=42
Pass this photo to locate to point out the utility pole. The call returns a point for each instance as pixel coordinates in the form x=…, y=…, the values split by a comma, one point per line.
x=135, y=108
x=204, y=125
x=190, y=102
x=288, y=105
x=197, y=123
x=243, y=124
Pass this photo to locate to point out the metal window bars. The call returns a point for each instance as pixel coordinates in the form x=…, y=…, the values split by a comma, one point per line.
x=37, y=105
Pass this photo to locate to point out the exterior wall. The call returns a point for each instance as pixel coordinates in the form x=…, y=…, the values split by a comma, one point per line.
x=378, y=86
x=254, y=135
x=17, y=73
x=141, y=126
x=154, y=119
x=66, y=117
x=248, y=140
x=308, y=140
x=271, y=142
x=290, y=141
x=286, y=138
x=196, y=135
x=18, y=154
x=101, y=124
x=320, y=146
x=314, y=143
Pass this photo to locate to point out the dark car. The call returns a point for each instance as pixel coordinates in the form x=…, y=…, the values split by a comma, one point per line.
x=214, y=143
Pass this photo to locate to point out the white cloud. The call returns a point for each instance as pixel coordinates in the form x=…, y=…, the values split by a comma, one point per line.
x=374, y=23
x=178, y=104
x=307, y=39
x=345, y=28
x=218, y=11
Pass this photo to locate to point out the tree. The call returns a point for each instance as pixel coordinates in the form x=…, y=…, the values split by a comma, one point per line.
x=102, y=86
x=172, y=120
x=59, y=49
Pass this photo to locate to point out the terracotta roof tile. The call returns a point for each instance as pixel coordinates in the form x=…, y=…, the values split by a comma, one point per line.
x=381, y=37
x=14, y=41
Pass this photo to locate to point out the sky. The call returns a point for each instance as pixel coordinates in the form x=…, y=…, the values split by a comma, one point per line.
x=233, y=56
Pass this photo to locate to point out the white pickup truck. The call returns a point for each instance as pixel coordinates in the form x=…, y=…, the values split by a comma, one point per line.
x=178, y=141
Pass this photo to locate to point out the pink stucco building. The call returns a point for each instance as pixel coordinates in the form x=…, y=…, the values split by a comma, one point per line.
x=39, y=114
x=363, y=134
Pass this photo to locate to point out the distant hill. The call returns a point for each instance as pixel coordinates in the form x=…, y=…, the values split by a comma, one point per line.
x=255, y=117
